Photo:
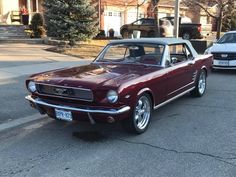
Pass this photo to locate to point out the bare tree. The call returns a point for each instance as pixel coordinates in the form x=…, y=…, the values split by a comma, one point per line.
x=213, y=8
x=156, y=21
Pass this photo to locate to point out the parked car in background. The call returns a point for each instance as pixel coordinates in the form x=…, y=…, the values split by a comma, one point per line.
x=224, y=51
x=146, y=26
x=187, y=29
x=126, y=82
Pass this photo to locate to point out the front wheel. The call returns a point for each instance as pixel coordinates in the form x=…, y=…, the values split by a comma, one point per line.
x=201, y=85
x=141, y=116
x=125, y=34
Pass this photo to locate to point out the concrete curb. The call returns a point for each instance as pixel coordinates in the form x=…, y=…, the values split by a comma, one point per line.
x=20, y=121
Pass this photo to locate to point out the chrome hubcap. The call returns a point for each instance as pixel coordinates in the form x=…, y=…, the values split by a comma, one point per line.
x=186, y=36
x=142, y=112
x=202, y=83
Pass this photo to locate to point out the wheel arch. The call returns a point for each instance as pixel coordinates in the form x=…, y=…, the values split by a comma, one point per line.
x=204, y=68
x=149, y=92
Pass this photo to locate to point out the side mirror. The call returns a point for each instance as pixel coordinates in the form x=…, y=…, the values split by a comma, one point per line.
x=173, y=60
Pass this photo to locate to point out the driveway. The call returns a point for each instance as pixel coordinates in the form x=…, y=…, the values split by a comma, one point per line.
x=17, y=62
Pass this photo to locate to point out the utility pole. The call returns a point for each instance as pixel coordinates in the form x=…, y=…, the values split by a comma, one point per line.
x=99, y=14
x=176, y=22
x=156, y=18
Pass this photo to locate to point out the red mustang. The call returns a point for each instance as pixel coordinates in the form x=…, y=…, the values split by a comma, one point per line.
x=127, y=80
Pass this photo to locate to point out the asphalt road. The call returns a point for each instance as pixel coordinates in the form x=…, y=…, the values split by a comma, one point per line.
x=188, y=137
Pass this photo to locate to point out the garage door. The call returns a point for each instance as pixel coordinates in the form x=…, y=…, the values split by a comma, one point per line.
x=112, y=19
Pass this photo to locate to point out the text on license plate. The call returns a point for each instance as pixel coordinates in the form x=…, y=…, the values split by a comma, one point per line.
x=223, y=63
x=63, y=115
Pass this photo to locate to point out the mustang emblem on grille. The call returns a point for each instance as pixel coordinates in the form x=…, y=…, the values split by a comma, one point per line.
x=224, y=55
x=61, y=91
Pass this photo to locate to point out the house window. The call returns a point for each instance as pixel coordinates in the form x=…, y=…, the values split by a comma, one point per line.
x=141, y=15
x=109, y=13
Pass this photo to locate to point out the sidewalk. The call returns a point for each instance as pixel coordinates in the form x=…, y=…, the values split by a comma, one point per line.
x=25, y=59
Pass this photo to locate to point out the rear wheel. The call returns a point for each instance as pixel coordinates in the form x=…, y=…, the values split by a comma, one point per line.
x=141, y=116
x=186, y=36
x=201, y=85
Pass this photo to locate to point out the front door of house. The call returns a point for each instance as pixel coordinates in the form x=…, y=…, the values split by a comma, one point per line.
x=23, y=3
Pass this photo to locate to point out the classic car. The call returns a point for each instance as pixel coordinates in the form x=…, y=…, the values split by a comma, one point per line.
x=126, y=82
x=223, y=51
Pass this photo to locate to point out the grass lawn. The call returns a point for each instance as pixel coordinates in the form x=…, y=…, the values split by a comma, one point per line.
x=85, y=50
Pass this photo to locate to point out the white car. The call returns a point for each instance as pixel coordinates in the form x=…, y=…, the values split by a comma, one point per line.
x=224, y=51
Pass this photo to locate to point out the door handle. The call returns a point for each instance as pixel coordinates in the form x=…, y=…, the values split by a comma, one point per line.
x=191, y=63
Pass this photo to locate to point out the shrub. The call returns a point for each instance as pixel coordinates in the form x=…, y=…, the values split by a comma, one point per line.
x=37, y=26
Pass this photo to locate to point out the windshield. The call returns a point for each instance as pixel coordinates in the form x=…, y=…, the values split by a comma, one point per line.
x=132, y=53
x=228, y=38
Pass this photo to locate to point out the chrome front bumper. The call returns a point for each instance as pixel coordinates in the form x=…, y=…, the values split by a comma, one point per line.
x=37, y=101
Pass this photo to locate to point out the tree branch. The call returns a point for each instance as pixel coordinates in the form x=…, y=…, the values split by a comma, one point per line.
x=205, y=9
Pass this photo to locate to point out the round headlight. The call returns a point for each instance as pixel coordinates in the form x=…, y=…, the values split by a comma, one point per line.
x=112, y=96
x=32, y=86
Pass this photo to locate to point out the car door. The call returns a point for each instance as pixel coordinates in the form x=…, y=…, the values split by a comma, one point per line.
x=181, y=70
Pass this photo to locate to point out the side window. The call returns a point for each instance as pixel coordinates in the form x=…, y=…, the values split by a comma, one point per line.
x=138, y=22
x=179, y=53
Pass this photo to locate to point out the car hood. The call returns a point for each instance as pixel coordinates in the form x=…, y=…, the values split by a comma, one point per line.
x=94, y=75
x=227, y=47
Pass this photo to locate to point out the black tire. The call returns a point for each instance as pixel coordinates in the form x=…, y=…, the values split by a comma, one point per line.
x=139, y=121
x=200, y=87
x=125, y=34
x=213, y=70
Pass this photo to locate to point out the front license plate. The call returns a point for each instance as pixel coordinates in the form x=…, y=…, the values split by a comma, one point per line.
x=63, y=115
x=222, y=63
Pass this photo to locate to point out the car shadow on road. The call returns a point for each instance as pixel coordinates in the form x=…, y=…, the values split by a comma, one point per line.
x=224, y=71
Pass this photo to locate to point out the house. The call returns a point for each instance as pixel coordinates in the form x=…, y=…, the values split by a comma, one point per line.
x=7, y=7
x=114, y=14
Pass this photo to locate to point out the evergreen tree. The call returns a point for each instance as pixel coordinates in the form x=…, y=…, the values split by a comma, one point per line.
x=233, y=21
x=70, y=20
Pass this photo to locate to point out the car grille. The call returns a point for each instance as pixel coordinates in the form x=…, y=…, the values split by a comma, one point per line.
x=67, y=92
x=224, y=56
